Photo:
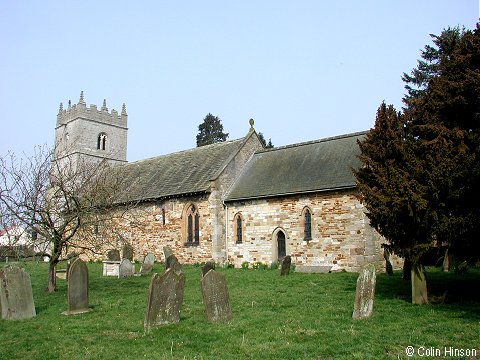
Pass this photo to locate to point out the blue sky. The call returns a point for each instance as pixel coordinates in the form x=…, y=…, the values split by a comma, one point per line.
x=303, y=70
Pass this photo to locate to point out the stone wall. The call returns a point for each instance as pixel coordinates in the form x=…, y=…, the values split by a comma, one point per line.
x=341, y=235
x=151, y=226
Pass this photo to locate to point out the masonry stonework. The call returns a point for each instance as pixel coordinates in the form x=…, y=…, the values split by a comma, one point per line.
x=341, y=234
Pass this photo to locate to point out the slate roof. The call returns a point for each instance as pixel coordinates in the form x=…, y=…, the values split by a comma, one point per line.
x=181, y=173
x=314, y=166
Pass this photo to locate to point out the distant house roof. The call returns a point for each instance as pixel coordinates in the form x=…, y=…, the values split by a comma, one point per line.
x=181, y=173
x=314, y=166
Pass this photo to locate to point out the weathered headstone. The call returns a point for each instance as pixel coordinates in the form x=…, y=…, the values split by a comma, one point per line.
x=127, y=252
x=126, y=269
x=365, y=293
x=113, y=255
x=77, y=292
x=419, y=285
x=285, y=267
x=207, y=267
x=215, y=297
x=165, y=297
x=16, y=297
x=388, y=262
x=172, y=263
x=147, y=265
x=167, y=251
x=446, y=261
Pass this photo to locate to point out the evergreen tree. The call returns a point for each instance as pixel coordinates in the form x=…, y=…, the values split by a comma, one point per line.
x=210, y=131
x=266, y=145
x=422, y=168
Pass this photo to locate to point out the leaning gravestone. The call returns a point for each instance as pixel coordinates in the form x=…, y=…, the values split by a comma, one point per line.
x=167, y=251
x=207, y=267
x=388, y=262
x=172, y=263
x=113, y=255
x=147, y=264
x=165, y=297
x=127, y=252
x=126, y=269
x=215, y=297
x=77, y=288
x=365, y=293
x=16, y=297
x=285, y=267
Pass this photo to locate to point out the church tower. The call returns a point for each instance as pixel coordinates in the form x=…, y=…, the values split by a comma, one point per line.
x=91, y=135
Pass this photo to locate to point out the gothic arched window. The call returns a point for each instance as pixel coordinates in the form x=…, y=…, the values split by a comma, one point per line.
x=102, y=141
x=193, y=226
x=238, y=228
x=307, y=224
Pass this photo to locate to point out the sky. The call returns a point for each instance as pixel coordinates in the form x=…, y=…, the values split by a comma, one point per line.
x=303, y=69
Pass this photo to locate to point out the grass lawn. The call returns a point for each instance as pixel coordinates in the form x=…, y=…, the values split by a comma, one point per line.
x=300, y=316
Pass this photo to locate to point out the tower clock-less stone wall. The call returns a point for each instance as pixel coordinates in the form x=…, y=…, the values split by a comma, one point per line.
x=90, y=134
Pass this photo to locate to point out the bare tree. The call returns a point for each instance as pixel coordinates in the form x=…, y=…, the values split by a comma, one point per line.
x=59, y=198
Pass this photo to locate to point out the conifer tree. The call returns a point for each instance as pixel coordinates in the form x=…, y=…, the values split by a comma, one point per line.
x=210, y=131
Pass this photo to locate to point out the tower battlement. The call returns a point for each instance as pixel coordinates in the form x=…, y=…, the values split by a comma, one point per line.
x=80, y=110
x=88, y=134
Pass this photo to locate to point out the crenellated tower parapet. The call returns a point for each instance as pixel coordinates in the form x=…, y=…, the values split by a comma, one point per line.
x=91, y=134
x=92, y=113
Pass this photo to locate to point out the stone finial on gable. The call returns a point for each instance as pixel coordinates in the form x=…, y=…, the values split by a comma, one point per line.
x=60, y=110
x=104, y=106
x=69, y=104
x=124, y=109
x=251, y=122
x=81, y=101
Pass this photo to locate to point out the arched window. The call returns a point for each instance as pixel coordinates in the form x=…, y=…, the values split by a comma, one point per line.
x=102, y=141
x=193, y=226
x=238, y=228
x=307, y=224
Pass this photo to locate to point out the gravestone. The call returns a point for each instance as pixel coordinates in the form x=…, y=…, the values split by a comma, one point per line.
x=127, y=252
x=285, y=267
x=165, y=297
x=126, y=269
x=365, y=293
x=388, y=262
x=207, y=267
x=16, y=297
x=77, y=292
x=446, y=261
x=113, y=255
x=147, y=265
x=167, y=251
x=172, y=263
x=215, y=297
x=419, y=285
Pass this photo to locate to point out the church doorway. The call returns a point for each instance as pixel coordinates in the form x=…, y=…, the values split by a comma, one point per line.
x=281, y=248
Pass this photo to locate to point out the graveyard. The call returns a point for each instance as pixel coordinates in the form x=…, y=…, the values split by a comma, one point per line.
x=295, y=316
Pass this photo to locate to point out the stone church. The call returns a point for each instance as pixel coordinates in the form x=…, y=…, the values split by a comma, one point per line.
x=233, y=201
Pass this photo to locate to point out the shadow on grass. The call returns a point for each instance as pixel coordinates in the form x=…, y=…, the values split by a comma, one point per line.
x=446, y=291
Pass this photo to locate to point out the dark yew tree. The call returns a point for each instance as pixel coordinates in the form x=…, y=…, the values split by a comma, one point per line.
x=421, y=168
x=210, y=131
x=394, y=192
x=445, y=118
x=266, y=145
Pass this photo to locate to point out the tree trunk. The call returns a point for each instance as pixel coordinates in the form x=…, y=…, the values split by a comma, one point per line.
x=407, y=269
x=52, y=278
x=419, y=285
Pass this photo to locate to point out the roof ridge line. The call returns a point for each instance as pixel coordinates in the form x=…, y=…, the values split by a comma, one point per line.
x=337, y=137
x=185, y=151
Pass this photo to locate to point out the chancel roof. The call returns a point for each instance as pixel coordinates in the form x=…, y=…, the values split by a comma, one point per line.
x=314, y=166
x=177, y=174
